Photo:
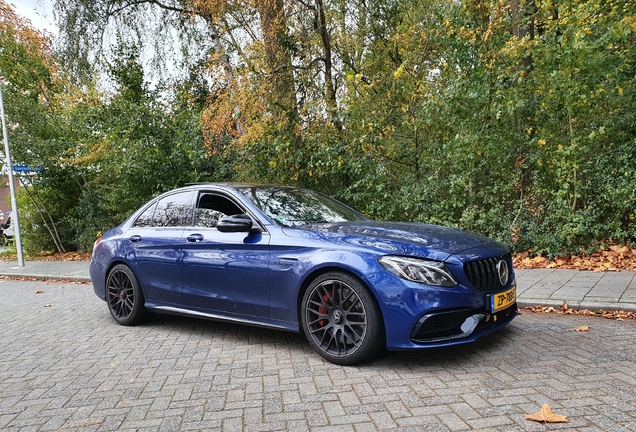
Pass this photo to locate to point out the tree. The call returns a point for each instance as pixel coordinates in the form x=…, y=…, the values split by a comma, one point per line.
x=27, y=65
x=501, y=117
x=102, y=155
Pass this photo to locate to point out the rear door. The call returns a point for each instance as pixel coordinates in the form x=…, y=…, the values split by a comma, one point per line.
x=156, y=237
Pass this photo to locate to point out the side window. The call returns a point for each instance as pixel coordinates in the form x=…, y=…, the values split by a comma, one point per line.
x=173, y=210
x=211, y=208
x=145, y=219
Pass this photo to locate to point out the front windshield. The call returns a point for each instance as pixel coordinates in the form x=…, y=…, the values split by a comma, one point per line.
x=289, y=206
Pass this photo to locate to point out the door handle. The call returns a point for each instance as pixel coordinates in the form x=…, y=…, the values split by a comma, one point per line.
x=136, y=238
x=194, y=238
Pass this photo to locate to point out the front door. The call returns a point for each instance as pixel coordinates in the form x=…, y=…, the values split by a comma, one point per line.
x=224, y=272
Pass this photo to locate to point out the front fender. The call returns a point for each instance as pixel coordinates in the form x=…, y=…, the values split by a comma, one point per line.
x=292, y=271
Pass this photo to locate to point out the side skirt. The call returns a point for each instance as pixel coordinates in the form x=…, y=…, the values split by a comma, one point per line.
x=216, y=317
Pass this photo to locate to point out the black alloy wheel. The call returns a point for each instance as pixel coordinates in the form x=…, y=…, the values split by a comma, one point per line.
x=341, y=319
x=124, y=297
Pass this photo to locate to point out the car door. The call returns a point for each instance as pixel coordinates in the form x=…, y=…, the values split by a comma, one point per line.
x=224, y=272
x=156, y=237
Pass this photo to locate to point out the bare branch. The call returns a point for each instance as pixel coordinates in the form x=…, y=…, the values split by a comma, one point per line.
x=155, y=2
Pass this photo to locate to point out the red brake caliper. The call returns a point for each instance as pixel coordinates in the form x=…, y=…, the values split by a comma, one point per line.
x=322, y=310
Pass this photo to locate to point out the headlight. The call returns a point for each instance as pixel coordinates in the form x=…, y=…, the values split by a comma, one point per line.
x=418, y=270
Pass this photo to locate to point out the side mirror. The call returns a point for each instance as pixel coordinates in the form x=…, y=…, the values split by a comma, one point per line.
x=237, y=223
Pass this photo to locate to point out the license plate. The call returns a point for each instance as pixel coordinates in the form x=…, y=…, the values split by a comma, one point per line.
x=502, y=300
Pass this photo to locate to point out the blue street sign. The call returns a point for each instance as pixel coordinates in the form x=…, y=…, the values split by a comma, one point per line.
x=25, y=168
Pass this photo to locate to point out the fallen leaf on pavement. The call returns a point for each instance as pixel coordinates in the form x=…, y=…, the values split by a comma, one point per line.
x=582, y=328
x=609, y=258
x=68, y=256
x=564, y=306
x=39, y=292
x=617, y=315
x=546, y=415
x=48, y=305
x=539, y=309
x=63, y=280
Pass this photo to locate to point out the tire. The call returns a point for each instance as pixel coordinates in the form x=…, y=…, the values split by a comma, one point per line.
x=124, y=297
x=341, y=319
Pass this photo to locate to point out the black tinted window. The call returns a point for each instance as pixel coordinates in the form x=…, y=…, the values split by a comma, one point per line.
x=145, y=219
x=173, y=210
x=211, y=208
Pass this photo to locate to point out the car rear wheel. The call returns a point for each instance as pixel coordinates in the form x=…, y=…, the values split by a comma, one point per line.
x=124, y=297
x=341, y=319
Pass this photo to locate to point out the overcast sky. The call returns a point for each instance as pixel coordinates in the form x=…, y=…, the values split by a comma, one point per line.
x=40, y=12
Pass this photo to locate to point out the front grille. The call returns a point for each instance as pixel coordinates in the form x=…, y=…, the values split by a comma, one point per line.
x=483, y=275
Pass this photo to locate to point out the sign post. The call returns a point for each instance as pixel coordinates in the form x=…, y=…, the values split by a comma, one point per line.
x=9, y=166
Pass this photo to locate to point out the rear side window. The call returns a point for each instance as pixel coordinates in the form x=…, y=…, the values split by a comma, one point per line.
x=171, y=211
x=145, y=219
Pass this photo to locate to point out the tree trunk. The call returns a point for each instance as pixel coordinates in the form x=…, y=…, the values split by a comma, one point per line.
x=330, y=89
x=523, y=24
x=274, y=27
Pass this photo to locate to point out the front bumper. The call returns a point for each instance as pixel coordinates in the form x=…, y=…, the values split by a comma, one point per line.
x=441, y=326
x=419, y=317
x=483, y=324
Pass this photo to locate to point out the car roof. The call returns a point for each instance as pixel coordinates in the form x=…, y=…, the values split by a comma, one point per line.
x=239, y=184
x=234, y=186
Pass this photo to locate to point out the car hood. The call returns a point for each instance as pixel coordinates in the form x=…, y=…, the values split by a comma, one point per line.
x=403, y=238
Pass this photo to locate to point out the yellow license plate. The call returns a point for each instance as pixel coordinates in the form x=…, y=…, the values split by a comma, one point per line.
x=502, y=300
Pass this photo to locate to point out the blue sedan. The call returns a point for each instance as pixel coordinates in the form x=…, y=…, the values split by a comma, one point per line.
x=294, y=259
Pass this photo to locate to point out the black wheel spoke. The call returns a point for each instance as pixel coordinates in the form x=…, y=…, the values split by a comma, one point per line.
x=353, y=331
x=336, y=295
x=326, y=299
x=319, y=304
x=129, y=305
x=318, y=330
x=317, y=320
x=352, y=303
x=325, y=334
x=334, y=339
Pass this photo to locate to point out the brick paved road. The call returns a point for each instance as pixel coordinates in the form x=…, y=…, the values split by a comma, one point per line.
x=70, y=367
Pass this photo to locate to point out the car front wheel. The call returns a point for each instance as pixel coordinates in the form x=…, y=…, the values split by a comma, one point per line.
x=341, y=319
x=124, y=297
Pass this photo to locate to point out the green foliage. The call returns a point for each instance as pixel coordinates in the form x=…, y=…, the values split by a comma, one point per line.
x=144, y=147
x=515, y=119
x=101, y=156
x=518, y=124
